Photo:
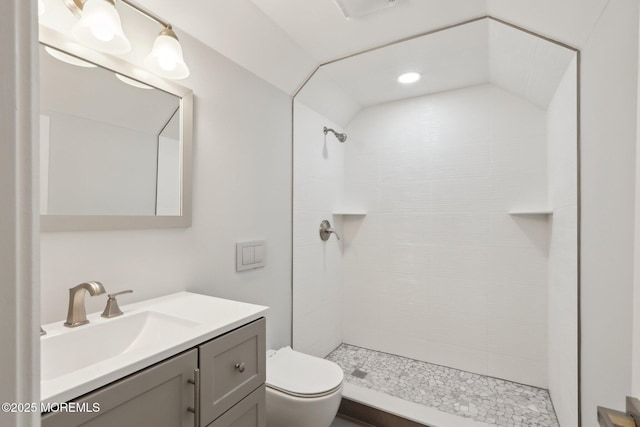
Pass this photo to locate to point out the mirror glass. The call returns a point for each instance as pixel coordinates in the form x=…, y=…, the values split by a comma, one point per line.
x=115, y=142
x=455, y=199
x=110, y=144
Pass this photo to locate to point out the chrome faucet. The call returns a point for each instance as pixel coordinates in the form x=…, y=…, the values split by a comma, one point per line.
x=77, y=314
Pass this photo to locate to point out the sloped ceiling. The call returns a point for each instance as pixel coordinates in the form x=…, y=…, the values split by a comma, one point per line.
x=283, y=41
x=480, y=52
x=319, y=27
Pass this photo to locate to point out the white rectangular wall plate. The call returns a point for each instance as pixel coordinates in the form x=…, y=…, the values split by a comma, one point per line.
x=250, y=255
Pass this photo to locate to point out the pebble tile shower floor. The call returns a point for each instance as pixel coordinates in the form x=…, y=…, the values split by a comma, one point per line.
x=487, y=399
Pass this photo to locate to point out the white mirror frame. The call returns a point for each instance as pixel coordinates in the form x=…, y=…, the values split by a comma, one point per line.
x=56, y=40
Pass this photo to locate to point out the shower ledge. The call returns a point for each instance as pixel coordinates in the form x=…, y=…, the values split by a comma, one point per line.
x=354, y=212
x=349, y=211
x=533, y=211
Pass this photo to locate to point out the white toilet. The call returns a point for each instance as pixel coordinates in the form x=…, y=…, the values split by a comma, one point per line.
x=302, y=390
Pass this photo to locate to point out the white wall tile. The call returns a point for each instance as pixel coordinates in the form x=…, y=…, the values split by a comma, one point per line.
x=517, y=338
x=462, y=262
x=317, y=265
x=518, y=265
x=510, y=301
x=460, y=195
x=516, y=369
x=454, y=294
x=519, y=230
x=437, y=258
x=563, y=264
x=459, y=229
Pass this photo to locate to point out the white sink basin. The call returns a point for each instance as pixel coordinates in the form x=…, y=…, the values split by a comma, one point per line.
x=91, y=344
x=75, y=361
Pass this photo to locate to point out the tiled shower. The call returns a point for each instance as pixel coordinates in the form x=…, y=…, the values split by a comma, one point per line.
x=458, y=218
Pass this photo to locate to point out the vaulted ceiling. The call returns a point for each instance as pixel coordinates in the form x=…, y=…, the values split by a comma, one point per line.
x=283, y=41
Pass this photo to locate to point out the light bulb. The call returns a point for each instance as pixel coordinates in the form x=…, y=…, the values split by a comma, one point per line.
x=166, y=58
x=69, y=59
x=166, y=61
x=100, y=27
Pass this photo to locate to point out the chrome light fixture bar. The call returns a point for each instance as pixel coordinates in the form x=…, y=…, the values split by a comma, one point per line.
x=100, y=28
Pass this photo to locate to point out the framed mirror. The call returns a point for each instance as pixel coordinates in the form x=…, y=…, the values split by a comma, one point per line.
x=116, y=142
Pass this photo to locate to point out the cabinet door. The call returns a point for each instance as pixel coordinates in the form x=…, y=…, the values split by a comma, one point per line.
x=158, y=396
x=231, y=367
x=249, y=412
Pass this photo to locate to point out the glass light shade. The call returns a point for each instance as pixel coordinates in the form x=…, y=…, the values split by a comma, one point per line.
x=166, y=58
x=100, y=28
x=132, y=82
x=69, y=59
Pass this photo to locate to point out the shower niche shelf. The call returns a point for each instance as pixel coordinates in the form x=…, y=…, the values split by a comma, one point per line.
x=534, y=211
x=351, y=212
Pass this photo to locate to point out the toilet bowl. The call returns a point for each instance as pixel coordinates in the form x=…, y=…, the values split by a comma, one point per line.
x=302, y=390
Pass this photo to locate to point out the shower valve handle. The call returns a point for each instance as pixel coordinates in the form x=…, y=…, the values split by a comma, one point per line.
x=326, y=231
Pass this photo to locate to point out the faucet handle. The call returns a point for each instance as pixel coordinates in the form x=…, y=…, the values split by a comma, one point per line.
x=112, y=309
x=128, y=291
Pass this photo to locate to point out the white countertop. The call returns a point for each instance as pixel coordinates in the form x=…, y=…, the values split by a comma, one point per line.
x=211, y=317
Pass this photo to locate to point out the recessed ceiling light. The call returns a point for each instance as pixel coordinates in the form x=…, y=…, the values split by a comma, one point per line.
x=359, y=8
x=411, y=77
x=69, y=59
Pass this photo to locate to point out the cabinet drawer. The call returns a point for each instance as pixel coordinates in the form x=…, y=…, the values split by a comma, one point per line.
x=250, y=412
x=231, y=367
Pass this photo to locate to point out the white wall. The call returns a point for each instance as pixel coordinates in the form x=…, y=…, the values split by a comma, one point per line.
x=563, y=262
x=317, y=264
x=241, y=190
x=437, y=270
x=608, y=116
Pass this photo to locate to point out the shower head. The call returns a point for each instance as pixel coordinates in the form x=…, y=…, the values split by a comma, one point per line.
x=342, y=137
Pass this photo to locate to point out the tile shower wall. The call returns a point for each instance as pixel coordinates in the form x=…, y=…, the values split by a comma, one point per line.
x=317, y=265
x=438, y=270
x=563, y=263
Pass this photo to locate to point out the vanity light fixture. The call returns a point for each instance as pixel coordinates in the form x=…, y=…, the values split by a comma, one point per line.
x=410, y=77
x=166, y=58
x=69, y=59
x=100, y=28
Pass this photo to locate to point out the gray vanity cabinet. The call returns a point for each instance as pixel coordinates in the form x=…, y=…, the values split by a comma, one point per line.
x=231, y=367
x=158, y=396
x=232, y=375
x=250, y=412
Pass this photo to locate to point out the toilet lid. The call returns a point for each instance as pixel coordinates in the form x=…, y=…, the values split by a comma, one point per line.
x=299, y=374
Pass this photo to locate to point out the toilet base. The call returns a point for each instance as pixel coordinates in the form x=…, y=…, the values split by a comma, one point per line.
x=284, y=410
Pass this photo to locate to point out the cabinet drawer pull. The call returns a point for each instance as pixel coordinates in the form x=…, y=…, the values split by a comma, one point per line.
x=240, y=367
x=196, y=397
